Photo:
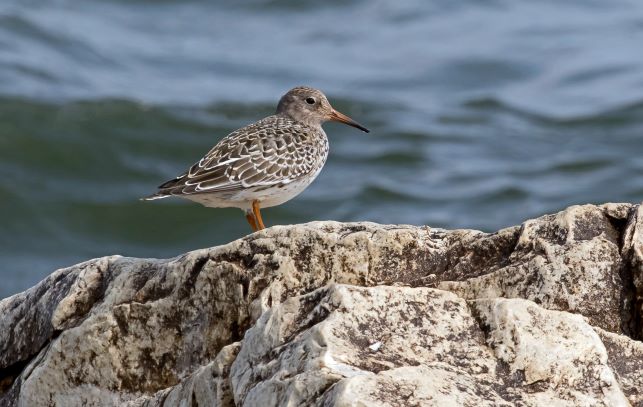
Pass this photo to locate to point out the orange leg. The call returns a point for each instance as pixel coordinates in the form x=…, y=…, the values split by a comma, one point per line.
x=251, y=220
x=257, y=212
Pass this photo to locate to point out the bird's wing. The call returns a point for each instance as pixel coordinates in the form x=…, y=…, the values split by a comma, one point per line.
x=269, y=152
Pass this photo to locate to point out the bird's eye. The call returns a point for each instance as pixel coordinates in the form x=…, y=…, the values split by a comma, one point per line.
x=310, y=101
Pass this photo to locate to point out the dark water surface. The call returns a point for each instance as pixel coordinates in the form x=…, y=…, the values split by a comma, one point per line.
x=483, y=114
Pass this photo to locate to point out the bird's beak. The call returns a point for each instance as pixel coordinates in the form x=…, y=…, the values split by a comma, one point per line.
x=341, y=117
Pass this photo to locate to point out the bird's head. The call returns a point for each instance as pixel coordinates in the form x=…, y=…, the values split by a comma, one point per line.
x=310, y=106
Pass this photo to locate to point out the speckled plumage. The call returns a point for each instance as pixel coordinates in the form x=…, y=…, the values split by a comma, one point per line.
x=265, y=163
x=255, y=161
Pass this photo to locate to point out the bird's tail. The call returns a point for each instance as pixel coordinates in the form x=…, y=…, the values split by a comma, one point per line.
x=154, y=197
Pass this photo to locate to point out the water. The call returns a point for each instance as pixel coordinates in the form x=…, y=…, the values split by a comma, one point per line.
x=483, y=114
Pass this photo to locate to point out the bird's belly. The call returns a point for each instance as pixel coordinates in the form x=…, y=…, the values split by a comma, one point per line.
x=285, y=192
x=215, y=201
x=269, y=196
x=280, y=194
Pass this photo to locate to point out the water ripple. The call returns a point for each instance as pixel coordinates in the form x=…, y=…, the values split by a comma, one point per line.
x=482, y=114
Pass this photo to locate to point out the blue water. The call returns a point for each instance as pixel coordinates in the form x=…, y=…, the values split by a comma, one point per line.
x=483, y=114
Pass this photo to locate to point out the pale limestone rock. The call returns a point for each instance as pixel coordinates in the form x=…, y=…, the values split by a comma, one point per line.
x=313, y=350
x=207, y=386
x=437, y=385
x=570, y=261
x=299, y=349
x=625, y=358
x=555, y=348
x=116, y=330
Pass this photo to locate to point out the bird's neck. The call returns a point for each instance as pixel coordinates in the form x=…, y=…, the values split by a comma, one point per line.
x=303, y=119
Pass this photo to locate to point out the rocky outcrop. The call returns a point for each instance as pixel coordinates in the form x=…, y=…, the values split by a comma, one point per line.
x=328, y=314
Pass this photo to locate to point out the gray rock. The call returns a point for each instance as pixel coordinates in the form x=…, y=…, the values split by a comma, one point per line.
x=345, y=314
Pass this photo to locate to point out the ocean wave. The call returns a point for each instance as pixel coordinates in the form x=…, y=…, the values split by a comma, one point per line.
x=482, y=113
x=625, y=114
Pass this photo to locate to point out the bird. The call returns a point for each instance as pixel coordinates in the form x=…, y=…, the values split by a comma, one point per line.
x=265, y=163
